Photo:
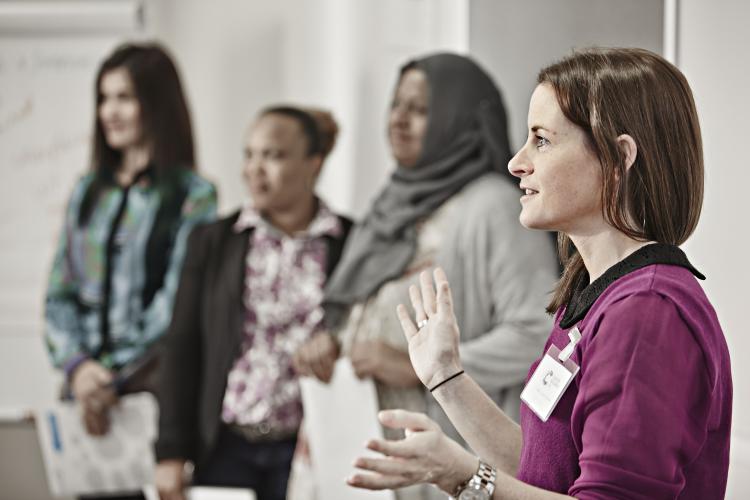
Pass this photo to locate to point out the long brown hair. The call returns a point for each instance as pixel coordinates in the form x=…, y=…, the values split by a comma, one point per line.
x=164, y=111
x=614, y=91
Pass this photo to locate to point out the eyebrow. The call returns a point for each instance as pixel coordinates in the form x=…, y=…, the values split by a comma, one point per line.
x=536, y=128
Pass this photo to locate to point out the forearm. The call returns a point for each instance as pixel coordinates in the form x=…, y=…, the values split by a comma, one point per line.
x=489, y=432
x=62, y=332
x=178, y=402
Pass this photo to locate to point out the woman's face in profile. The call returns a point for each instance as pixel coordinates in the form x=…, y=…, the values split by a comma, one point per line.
x=119, y=110
x=407, y=122
x=560, y=174
x=278, y=170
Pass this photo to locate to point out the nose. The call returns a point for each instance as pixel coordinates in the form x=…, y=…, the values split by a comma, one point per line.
x=106, y=109
x=520, y=165
x=253, y=166
x=398, y=115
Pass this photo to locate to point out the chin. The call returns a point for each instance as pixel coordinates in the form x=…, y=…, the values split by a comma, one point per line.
x=258, y=205
x=406, y=162
x=119, y=143
x=530, y=222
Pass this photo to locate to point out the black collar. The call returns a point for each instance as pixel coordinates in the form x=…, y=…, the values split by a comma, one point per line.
x=584, y=294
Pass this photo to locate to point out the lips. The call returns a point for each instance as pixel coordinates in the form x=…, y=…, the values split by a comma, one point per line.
x=528, y=190
x=113, y=126
x=399, y=137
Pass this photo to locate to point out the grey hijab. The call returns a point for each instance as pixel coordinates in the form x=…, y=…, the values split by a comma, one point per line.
x=466, y=138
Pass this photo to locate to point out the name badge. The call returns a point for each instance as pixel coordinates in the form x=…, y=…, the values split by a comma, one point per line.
x=551, y=378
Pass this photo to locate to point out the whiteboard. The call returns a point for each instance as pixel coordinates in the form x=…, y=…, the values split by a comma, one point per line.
x=46, y=119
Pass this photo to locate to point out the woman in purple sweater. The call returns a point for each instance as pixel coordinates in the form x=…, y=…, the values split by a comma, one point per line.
x=633, y=395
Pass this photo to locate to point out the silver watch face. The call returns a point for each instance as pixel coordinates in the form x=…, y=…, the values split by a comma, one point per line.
x=474, y=494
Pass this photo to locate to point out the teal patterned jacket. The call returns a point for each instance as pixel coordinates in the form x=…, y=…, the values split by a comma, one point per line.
x=76, y=289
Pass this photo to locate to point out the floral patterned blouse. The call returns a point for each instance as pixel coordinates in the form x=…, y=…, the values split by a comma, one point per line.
x=284, y=279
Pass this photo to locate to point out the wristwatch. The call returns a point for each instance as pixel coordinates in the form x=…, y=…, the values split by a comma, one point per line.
x=480, y=486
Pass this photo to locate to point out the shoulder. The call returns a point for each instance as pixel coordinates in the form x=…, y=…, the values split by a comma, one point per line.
x=215, y=230
x=195, y=185
x=659, y=305
x=80, y=188
x=657, y=283
x=82, y=184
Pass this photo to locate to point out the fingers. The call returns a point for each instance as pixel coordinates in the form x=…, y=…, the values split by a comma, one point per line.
x=106, y=395
x=96, y=423
x=406, y=324
x=89, y=378
x=385, y=466
x=169, y=480
x=300, y=366
x=323, y=358
x=428, y=294
x=360, y=364
x=376, y=481
x=403, y=419
x=322, y=368
x=444, y=297
x=317, y=357
x=103, y=376
x=416, y=303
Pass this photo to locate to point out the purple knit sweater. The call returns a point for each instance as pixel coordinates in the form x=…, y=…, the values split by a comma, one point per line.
x=649, y=414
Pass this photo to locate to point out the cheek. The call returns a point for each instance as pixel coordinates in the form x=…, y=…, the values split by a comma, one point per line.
x=245, y=173
x=133, y=114
x=420, y=128
x=276, y=174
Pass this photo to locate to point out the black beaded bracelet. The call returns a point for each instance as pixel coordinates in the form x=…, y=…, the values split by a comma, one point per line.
x=446, y=380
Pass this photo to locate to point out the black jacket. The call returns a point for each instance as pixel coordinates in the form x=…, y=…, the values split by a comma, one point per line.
x=204, y=338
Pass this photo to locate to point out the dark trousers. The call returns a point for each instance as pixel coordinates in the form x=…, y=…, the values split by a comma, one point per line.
x=262, y=467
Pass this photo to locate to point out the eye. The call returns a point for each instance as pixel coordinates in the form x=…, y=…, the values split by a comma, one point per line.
x=274, y=154
x=540, y=141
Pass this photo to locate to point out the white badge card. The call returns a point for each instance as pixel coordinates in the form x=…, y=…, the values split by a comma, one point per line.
x=549, y=381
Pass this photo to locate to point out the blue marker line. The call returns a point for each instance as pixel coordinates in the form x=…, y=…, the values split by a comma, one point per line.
x=56, y=442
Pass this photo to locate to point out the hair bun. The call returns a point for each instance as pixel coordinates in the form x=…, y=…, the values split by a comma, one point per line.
x=328, y=129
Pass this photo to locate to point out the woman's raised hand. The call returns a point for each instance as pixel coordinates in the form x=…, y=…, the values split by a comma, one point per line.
x=433, y=346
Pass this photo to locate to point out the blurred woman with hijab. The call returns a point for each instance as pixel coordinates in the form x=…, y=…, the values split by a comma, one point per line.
x=449, y=202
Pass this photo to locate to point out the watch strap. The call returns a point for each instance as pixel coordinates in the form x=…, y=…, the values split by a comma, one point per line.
x=483, y=479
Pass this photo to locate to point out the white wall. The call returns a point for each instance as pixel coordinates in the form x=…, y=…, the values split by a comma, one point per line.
x=345, y=55
x=713, y=44
x=230, y=57
x=237, y=57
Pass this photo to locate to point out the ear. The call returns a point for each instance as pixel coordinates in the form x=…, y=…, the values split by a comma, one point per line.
x=316, y=162
x=628, y=148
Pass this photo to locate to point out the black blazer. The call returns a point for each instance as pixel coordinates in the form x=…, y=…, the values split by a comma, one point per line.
x=204, y=338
